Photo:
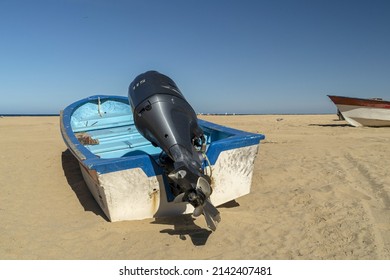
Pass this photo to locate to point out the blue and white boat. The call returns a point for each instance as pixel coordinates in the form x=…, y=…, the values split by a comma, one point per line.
x=120, y=166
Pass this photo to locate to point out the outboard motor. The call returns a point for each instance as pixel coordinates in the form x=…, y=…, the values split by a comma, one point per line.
x=164, y=117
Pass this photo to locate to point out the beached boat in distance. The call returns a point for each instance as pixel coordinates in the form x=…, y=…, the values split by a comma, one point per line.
x=363, y=112
x=121, y=167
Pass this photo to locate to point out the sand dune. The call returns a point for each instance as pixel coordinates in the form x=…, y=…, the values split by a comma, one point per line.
x=320, y=190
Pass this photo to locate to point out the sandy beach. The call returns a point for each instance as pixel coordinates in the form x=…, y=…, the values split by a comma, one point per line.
x=320, y=190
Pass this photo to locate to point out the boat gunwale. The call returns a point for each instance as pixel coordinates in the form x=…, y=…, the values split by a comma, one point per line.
x=363, y=102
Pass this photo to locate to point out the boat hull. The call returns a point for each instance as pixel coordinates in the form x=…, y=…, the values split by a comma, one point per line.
x=132, y=195
x=363, y=112
x=133, y=186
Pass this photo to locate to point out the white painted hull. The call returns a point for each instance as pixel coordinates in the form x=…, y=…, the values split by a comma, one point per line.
x=132, y=195
x=365, y=116
x=121, y=168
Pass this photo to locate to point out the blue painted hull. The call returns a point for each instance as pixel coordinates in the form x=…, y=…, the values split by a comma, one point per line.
x=100, y=132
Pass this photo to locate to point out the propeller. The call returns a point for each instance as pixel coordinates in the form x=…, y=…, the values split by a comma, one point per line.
x=204, y=187
x=209, y=211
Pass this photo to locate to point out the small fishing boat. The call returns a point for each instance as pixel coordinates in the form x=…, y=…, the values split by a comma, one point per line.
x=363, y=112
x=122, y=170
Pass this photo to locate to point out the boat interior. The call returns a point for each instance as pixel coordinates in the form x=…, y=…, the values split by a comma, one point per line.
x=106, y=128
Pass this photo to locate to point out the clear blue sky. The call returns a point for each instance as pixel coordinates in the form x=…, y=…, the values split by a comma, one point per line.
x=226, y=56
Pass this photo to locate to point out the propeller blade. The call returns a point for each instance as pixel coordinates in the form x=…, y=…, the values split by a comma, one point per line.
x=198, y=211
x=204, y=186
x=210, y=208
x=211, y=223
x=211, y=215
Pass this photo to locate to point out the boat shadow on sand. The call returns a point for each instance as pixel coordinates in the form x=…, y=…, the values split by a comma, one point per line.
x=331, y=125
x=184, y=226
x=340, y=124
x=75, y=179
